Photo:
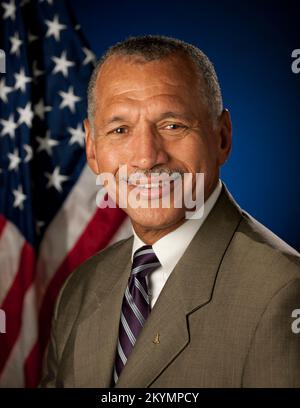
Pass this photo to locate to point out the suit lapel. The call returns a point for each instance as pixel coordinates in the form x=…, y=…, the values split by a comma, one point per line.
x=189, y=287
x=97, y=334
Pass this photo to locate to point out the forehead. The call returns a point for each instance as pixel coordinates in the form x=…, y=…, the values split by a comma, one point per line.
x=131, y=77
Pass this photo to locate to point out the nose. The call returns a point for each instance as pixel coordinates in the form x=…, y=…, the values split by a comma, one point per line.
x=147, y=149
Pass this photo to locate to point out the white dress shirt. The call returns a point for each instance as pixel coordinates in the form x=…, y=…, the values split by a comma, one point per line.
x=170, y=248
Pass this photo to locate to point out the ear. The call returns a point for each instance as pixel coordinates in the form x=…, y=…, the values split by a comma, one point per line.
x=90, y=147
x=225, y=136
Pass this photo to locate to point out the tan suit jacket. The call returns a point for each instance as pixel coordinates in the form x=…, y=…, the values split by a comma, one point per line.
x=223, y=317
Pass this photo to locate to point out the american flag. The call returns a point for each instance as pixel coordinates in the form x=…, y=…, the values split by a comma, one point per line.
x=49, y=221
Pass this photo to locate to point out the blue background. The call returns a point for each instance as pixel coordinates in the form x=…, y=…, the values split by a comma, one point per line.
x=250, y=44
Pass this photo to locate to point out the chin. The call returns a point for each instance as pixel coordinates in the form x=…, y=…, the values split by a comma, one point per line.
x=155, y=218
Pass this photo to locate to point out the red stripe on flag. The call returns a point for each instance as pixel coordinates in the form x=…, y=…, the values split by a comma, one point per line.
x=32, y=367
x=2, y=224
x=13, y=302
x=96, y=236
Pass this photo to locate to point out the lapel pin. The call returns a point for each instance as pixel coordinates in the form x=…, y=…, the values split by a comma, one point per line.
x=156, y=339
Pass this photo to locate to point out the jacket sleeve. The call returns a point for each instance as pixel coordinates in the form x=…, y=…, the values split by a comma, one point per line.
x=50, y=363
x=273, y=359
x=51, y=360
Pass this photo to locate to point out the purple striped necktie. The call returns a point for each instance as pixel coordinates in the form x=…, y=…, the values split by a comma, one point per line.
x=135, y=306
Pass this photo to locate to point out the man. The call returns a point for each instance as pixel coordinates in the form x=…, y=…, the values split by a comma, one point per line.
x=203, y=302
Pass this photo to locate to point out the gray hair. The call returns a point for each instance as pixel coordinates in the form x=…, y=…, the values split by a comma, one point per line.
x=156, y=47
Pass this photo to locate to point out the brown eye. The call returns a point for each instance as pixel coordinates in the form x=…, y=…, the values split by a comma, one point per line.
x=173, y=126
x=119, y=131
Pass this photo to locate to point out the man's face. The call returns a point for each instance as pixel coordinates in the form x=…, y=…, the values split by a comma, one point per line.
x=151, y=117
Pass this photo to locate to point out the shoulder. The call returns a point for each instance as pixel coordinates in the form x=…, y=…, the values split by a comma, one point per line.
x=262, y=260
x=263, y=241
x=91, y=273
x=257, y=264
x=255, y=249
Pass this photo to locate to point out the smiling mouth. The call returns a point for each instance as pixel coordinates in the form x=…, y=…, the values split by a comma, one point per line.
x=154, y=181
x=151, y=185
x=154, y=187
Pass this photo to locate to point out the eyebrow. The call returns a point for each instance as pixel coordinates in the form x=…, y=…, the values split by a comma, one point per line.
x=115, y=119
x=171, y=114
x=164, y=115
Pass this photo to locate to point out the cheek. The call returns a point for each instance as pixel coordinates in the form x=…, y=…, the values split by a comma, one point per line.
x=192, y=153
x=107, y=158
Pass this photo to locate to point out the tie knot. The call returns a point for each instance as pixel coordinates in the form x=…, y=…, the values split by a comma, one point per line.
x=144, y=261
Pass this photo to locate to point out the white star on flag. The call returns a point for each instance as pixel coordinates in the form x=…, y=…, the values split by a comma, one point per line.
x=26, y=115
x=62, y=64
x=9, y=126
x=56, y=179
x=29, y=153
x=40, y=109
x=69, y=99
x=4, y=90
x=10, y=10
x=14, y=160
x=15, y=44
x=21, y=80
x=46, y=143
x=89, y=56
x=54, y=28
x=20, y=197
x=77, y=135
